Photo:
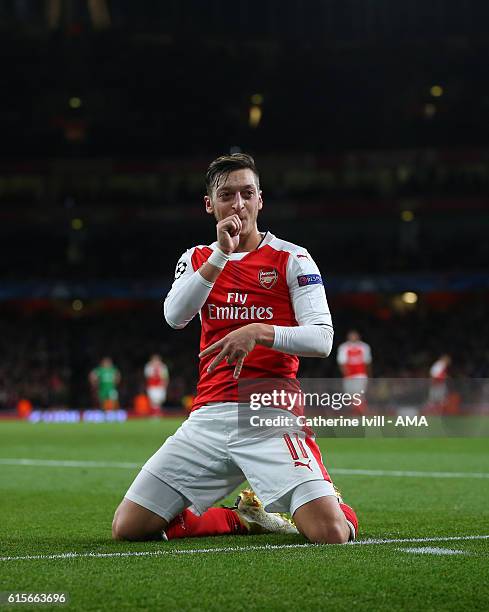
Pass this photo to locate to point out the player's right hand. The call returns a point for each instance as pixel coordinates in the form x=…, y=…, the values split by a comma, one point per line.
x=228, y=231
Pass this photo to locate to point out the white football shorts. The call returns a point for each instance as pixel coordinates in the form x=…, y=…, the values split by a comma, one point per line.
x=157, y=395
x=207, y=458
x=355, y=384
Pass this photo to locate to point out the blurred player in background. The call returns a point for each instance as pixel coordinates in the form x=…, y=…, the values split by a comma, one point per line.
x=438, y=380
x=262, y=303
x=157, y=379
x=354, y=358
x=104, y=380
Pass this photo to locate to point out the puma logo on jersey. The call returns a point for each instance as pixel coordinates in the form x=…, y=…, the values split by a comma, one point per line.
x=302, y=464
x=300, y=255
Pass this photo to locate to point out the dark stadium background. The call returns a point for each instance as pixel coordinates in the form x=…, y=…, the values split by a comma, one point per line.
x=368, y=121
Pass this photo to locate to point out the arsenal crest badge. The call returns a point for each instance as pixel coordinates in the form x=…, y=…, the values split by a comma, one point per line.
x=268, y=278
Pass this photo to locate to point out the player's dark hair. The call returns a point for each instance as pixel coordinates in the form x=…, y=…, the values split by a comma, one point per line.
x=220, y=168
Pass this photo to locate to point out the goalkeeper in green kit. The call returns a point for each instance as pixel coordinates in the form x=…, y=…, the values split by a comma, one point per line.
x=104, y=380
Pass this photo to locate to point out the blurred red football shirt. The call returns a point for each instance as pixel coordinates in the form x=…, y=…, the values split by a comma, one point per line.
x=355, y=358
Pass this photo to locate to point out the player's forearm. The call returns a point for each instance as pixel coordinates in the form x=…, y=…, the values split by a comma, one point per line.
x=211, y=269
x=185, y=301
x=209, y=272
x=264, y=334
x=304, y=340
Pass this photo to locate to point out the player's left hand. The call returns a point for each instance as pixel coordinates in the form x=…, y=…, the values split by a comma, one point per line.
x=234, y=347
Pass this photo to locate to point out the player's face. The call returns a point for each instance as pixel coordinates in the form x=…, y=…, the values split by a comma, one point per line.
x=238, y=193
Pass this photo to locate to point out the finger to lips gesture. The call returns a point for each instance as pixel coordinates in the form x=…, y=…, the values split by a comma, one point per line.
x=234, y=348
x=228, y=231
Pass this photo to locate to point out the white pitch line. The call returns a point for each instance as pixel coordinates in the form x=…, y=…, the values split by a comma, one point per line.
x=409, y=473
x=418, y=540
x=229, y=549
x=340, y=471
x=433, y=550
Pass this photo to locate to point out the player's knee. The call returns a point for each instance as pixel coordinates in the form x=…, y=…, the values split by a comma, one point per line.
x=118, y=528
x=123, y=528
x=331, y=532
x=136, y=525
x=338, y=533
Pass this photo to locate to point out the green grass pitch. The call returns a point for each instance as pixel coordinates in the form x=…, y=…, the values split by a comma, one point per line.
x=53, y=509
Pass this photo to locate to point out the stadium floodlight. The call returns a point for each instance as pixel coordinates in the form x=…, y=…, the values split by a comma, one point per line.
x=436, y=91
x=409, y=297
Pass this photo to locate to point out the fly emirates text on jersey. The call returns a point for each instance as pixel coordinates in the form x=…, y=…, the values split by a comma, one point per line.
x=239, y=309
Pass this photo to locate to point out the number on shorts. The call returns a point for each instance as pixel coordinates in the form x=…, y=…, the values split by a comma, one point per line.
x=292, y=450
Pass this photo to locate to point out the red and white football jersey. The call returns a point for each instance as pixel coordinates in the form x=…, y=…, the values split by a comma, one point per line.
x=439, y=370
x=355, y=358
x=278, y=284
x=156, y=374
